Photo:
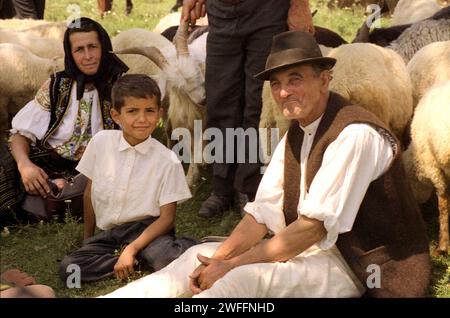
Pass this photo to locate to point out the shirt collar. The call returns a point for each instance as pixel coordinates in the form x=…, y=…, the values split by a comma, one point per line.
x=311, y=128
x=142, y=148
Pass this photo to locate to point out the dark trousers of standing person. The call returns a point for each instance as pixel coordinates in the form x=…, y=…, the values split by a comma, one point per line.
x=238, y=44
x=106, y=5
x=98, y=255
x=6, y=9
x=29, y=9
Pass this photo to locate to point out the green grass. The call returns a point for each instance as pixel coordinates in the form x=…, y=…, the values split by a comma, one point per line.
x=440, y=280
x=145, y=14
x=36, y=248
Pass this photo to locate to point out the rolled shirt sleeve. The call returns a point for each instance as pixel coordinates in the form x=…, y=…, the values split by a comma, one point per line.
x=33, y=119
x=356, y=158
x=267, y=208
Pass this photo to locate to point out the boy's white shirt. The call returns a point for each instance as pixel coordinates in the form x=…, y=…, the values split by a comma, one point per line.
x=130, y=183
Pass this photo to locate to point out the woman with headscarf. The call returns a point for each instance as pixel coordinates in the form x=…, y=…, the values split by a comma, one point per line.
x=50, y=133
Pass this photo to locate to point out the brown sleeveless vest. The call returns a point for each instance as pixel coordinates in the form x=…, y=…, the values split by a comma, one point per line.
x=388, y=230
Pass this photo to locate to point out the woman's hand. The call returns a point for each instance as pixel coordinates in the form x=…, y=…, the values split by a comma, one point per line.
x=34, y=179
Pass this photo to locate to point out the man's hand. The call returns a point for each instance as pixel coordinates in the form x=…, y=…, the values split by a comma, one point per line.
x=193, y=279
x=125, y=264
x=300, y=18
x=192, y=10
x=214, y=270
x=34, y=179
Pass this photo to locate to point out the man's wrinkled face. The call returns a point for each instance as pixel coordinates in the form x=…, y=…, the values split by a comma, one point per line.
x=298, y=90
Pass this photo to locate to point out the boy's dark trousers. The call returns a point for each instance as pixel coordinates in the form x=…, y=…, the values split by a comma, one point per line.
x=98, y=255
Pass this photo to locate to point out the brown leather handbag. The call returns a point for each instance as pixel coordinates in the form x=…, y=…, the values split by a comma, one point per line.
x=58, y=201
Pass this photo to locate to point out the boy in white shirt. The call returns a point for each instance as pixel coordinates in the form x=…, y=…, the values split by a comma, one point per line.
x=134, y=185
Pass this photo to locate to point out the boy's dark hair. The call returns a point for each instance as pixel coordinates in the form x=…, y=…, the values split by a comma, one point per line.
x=134, y=85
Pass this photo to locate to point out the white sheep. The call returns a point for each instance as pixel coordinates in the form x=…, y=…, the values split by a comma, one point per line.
x=419, y=35
x=180, y=73
x=365, y=74
x=43, y=47
x=139, y=64
x=45, y=29
x=51, y=30
x=427, y=160
x=140, y=37
x=429, y=66
x=410, y=11
x=20, y=24
x=325, y=50
x=375, y=78
x=22, y=74
x=173, y=19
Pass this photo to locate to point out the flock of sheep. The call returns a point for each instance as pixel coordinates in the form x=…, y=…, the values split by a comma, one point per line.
x=401, y=73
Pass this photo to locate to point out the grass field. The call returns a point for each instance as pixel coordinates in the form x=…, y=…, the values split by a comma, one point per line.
x=36, y=248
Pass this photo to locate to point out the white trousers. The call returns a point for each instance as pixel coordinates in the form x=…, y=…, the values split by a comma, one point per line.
x=314, y=273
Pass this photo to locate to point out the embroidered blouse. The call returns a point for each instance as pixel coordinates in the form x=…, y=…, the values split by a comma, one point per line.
x=81, y=121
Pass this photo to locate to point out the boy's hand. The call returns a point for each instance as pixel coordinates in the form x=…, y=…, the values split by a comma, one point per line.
x=125, y=264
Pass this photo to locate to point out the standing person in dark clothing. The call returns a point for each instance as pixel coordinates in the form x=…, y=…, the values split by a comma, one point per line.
x=106, y=5
x=29, y=9
x=238, y=44
x=6, y=9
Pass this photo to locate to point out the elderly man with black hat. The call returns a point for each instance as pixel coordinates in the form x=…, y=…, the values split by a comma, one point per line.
x=334, y=195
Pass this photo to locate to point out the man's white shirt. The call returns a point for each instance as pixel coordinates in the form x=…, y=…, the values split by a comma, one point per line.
x=358, y=156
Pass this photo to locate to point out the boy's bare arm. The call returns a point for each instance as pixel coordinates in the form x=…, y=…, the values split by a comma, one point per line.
x=165, y=222
x=89, y=216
